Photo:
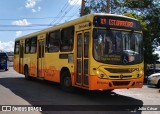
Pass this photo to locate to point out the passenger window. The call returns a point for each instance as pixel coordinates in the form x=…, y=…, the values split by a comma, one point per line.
x=17, y=46
x=33, y=44
x=27, y=46
x=53, y=41
x=67, y=39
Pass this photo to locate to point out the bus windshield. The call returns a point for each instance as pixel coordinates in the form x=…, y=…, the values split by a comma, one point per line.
x=117, y=47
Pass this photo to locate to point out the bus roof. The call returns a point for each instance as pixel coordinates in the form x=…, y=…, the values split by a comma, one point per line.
x=88, y=18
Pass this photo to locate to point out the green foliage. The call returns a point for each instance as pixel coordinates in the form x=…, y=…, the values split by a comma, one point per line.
x=138, y=3
x=94, y=6
x=140, y=18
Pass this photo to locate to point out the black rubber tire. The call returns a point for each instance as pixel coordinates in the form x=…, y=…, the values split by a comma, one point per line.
x=66, y=82
x=158, y=84
x=26, y=73
x=108, y=91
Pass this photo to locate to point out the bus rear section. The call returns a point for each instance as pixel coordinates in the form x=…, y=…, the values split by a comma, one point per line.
x=3, y=61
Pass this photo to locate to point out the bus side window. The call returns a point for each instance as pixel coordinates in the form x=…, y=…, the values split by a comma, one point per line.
x=67, y=39
x=47, y=43
x=33, y=45
x=17, y=46
x=27, y=46
x=53, y=41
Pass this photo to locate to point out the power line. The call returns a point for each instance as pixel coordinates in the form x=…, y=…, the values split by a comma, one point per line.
x=65, y=6
x=74, y=14
x=30, y=25
x=68, y=11
x=26, y=18
x=59, y=14
x=18, y=30
x=6, y=19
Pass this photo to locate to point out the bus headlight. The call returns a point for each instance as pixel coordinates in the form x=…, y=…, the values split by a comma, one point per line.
x=100, y=74
x=97, y=72
x=140, y=73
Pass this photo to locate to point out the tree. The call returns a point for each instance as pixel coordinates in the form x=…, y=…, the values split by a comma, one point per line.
x=94, y=6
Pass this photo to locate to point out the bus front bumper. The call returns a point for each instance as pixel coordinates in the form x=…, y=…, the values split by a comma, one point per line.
x=96, y=83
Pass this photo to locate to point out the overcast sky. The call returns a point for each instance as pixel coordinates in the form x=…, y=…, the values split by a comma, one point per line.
x=21, y=17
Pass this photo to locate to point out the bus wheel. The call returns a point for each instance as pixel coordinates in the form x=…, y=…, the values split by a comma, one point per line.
x=26, y=74
x=66, y=82
x=158, y=84
x=108, y=91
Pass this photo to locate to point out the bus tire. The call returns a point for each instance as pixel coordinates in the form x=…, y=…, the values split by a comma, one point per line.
x=26, y=73
x=158, y=84
x=109, y=90
x=66, y=82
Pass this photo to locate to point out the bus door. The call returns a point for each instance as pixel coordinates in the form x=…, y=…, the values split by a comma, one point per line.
x=82, y=58
x=40, y=58
x=21, y=55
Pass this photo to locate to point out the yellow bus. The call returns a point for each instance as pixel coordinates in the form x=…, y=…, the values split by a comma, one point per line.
x=93, y=52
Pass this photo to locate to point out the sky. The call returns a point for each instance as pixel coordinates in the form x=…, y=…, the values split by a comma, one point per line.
x=21, y=17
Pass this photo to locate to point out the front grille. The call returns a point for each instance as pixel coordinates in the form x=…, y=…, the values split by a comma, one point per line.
x=115, y=70
x=121, y=83
x=128, y=76
x=114, y=76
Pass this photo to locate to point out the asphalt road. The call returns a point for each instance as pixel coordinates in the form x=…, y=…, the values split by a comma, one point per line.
x=15, y=90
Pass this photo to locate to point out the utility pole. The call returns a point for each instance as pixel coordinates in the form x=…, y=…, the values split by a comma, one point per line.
x=82, y=8
x=108, y=6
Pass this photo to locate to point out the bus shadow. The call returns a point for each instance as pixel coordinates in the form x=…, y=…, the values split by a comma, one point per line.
x=48, y=93
x=152, y=86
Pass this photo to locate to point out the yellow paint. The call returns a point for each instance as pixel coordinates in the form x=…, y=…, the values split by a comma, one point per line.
x=82, y=26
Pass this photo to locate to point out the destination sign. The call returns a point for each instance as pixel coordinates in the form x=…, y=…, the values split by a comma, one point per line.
x=116, y=22
x=113, y=22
